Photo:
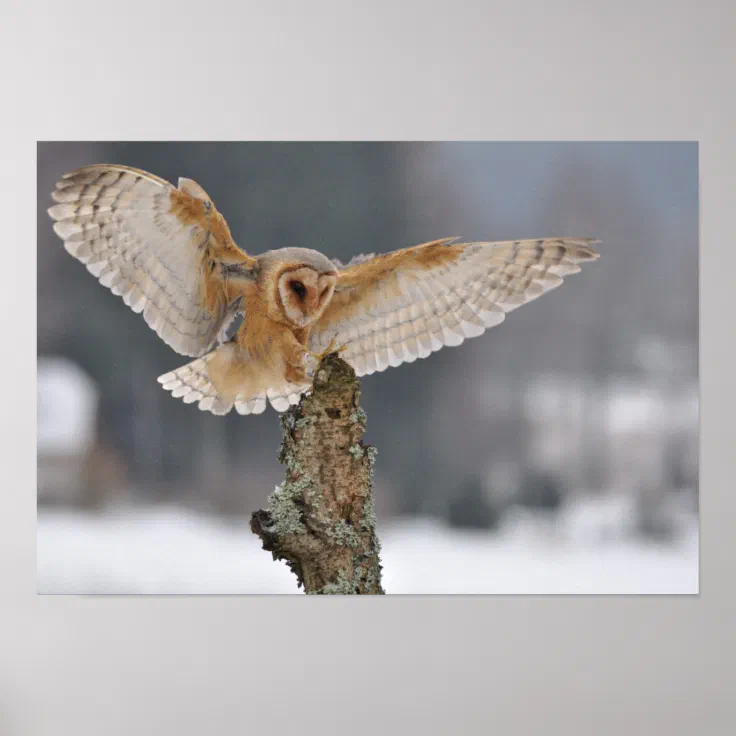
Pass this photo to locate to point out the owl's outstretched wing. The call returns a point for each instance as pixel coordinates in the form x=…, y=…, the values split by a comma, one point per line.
x=165, y=250
x=395, y=308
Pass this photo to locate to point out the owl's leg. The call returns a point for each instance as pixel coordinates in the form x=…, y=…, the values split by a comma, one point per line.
x=296, y=374
x=300, y=364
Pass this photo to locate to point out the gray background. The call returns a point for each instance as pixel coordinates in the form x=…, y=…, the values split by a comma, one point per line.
x=432, y=665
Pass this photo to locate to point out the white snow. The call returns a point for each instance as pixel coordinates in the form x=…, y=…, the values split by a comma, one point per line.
x=428, y=559
x=169, y=550
x=67, y=401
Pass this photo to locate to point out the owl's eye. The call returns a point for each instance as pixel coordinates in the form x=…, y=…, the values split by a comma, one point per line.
x=299, y=289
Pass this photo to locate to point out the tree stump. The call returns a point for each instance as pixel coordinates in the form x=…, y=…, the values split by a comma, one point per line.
x=321, y=519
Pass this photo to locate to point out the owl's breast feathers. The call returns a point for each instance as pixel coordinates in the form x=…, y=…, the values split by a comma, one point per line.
x=264, y=356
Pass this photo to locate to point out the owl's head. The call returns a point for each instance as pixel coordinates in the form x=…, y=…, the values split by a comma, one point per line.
x=305, y=281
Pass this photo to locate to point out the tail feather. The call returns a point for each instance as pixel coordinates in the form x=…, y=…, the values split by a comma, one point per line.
x=191, y=383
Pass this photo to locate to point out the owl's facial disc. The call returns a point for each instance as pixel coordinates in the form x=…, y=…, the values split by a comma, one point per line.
x=305, y=294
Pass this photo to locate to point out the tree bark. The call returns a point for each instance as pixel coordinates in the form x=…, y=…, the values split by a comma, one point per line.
x=321, y=519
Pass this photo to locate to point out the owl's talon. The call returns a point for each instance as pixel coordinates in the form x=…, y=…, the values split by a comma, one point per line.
x=329, y=350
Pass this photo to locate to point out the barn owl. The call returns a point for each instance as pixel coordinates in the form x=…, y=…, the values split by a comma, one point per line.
x=169, y=254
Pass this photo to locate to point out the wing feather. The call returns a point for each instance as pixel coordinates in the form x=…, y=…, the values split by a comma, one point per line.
x=395, y=308
x=156, y=246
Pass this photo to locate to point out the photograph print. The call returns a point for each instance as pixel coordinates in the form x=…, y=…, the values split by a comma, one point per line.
x=367, y=368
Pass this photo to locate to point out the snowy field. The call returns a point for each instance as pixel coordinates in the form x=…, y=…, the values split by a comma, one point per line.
x=173, y=551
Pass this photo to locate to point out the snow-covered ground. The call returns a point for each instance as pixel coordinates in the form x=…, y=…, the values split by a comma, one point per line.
x=171, y=550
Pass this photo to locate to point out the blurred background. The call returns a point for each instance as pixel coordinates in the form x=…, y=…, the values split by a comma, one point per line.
x=556, y=453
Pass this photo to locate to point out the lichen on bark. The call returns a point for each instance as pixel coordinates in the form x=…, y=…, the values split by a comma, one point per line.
x=320, y=520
